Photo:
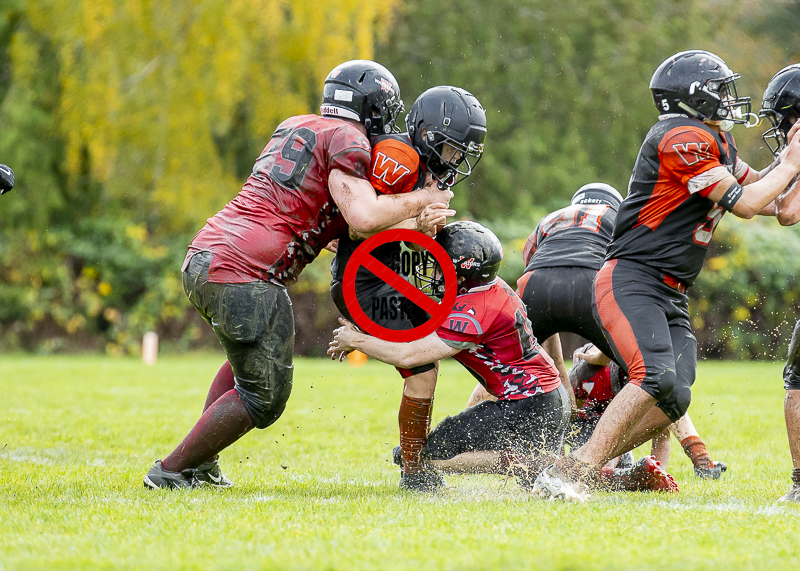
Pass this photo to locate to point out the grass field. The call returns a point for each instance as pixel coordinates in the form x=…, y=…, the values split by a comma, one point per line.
x=317, y=490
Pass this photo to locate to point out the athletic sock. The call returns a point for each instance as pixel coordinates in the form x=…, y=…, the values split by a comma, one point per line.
x=225, y=422
x=414, y=419
x=695, y=449
x=796, y=476
x=222, y=383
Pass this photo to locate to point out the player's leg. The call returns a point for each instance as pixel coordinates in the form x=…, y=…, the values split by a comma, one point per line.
x=630, y=308
x=255, y=325
x=479, y=394
x=683, y=365
x=222, y=383
x=501, y=436
x=791, y=409
x=414, y=421
x=660, y=448
x=552, y=346
x=695, y=448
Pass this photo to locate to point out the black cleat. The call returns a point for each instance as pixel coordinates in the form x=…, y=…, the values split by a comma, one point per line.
x=712, y=472
x=157, y=477
x=397, y=456
x=427, y=481
x=210, y=473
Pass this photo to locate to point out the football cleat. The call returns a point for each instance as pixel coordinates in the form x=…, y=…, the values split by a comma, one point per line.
x=713, y=472
x=646, y=475
x=553, y=485
x=159, y=478
x=397, y=456
x=626, y=460
x=210, y=473
x=793, y=495
x=426, y=481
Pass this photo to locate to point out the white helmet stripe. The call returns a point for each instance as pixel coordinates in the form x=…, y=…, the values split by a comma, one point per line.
x=329, y=110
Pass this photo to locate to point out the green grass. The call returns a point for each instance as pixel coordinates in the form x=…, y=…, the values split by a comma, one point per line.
x=78, y=433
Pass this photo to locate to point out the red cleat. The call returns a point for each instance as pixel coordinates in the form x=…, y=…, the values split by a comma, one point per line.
x=646, y=475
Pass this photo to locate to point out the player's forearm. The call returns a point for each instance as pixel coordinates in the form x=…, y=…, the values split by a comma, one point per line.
x=787, y=205
x=404, y=355
x=758, y=195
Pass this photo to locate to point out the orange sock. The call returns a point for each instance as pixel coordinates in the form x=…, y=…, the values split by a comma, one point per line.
x=414, y=419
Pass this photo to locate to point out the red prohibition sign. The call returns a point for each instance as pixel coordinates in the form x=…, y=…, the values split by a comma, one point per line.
x=363, y=257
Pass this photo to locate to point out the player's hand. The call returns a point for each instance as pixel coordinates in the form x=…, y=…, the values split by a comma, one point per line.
x=791, y=154
x=793, y=131
x=592, y=355
x=6, y=179
x=343, y=339
x=436, y=195
x=433, y=218
x=333, y=245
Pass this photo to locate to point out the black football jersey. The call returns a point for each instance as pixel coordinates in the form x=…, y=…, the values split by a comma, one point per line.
x=667, y=219
x=573, y=236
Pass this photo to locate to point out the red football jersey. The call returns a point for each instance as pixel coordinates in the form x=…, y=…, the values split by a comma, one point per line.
x=489, y=325
x=284, y=215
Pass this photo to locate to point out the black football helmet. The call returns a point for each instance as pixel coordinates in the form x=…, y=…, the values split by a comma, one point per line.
x=597, y=193
x=366, y=92
x=781, y=105
x=447, y=115
x=699, y=84
x=475, y=252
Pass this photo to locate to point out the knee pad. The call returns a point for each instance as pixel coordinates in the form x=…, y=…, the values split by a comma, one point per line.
x=677, y=404
x=660, y=386
x=791, y=378
x=265, y=399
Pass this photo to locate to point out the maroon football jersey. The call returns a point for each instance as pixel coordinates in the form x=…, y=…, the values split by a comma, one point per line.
x=667, y=219
x=489, y=325
x=284, y=215
x=573, y=236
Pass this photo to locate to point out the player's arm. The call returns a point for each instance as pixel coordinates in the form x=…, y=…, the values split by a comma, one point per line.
x=432, y=218
x=367, y=212
x=552, y=346
x=752, y=198
x=404, y=355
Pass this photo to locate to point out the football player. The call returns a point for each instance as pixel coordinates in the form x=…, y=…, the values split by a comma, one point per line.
x=781, y=105
x=309, y=184
x=488, y=333
x=6, y=179
x=562, y=256
x=596, y=380
x=687, y=175
x=446, y=129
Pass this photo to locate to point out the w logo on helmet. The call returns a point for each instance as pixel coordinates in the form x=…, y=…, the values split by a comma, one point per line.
x=385, y=84
x=467, y=264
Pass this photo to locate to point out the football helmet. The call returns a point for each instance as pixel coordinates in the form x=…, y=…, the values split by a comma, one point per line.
x=781, y=105
x=475, y=252
x=597, y=193
x=447, y=126
x=699, y=84
x=366, y=92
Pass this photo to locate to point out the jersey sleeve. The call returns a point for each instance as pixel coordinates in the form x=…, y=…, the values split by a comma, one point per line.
x=687, y=153
x=349, y=152
x=460, y=331
x=530, y=246
x=394, y=168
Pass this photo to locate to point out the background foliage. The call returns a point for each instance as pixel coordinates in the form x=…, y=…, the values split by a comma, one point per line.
x=128, y=122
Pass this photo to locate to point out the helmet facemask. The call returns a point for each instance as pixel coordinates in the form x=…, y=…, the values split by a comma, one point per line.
x=730, y=108
x=429, y=278
x=449, y=160
x=775, y=137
